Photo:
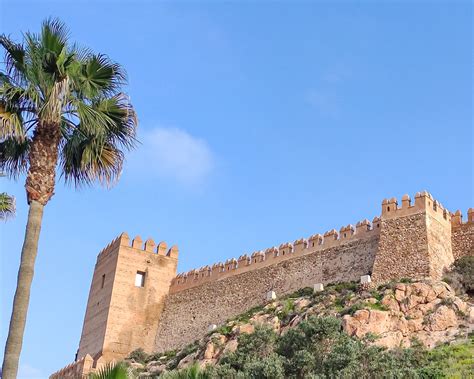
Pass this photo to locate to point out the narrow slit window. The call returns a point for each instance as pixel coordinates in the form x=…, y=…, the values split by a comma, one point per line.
x=103, y=281
x=140, y=279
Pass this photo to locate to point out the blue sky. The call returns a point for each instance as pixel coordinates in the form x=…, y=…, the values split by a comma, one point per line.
x=261, y=122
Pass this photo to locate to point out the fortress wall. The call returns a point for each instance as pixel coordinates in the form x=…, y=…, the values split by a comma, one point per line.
x=439, y=245
x=188, y=313
x=463, y=234
x=274, y=255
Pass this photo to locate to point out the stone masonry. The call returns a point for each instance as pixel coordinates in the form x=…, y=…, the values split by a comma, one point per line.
x=137, y=300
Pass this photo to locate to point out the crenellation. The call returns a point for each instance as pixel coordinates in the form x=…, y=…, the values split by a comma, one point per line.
x=456, y=218
x=330, y=238
x=150, y=245
x=346, y=232
x=258, y=256
x=173, y=252
x=300, y=245
x=363, y=226
x=315, y=240
x=273, y=255
x=285, y=248
x=244, y=260
x=137, y=243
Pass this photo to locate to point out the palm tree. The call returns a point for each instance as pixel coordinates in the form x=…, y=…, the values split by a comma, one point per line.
x=60, y=109
x=113, y=371
x=7, y=206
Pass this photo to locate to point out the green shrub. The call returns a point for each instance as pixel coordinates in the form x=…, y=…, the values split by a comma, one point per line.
x=191, y=372
x=225, y=330
x=288, y=308
x=189, y=349
x=260, y=344
x=270, y=367
x=245, y=317
x=138, y=355
x=465, y=267
x=302, y=292
x=352, y=309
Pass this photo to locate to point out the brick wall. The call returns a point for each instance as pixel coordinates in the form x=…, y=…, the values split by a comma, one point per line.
x=463, y=240
x=188, y=313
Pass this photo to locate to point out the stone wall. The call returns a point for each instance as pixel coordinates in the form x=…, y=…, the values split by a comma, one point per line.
x=463, y=240
x=439, y=245
x=189, y=312
x=462, y=234
x=403, y=249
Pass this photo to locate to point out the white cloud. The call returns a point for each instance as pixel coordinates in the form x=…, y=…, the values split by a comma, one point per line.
x=173, y=153
x=326, y=102
x=25, y=371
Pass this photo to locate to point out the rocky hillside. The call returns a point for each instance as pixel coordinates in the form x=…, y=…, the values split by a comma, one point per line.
x=391, y=322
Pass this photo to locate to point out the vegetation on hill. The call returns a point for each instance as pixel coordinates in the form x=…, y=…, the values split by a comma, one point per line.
x=303, y=336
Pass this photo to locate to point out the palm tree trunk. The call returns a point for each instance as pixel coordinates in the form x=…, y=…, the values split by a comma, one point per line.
x=22, y=293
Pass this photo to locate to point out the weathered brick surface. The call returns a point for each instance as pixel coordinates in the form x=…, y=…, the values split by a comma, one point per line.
x=463, y=240
x=188, y=314
x=120, y=316
x=403, y=249
x=439, y=246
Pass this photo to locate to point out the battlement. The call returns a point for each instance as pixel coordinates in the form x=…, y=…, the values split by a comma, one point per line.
x=273, y=255
x=423, y=202
x=80, y=368
x=150, y=247
x=456, y=218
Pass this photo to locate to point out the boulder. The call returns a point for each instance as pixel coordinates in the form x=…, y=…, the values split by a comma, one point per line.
x=442, y=319
x=301, y=304
x=245, y=329
x=210, y=350
x=231, y=346
x=187, y=360
x=157, y=369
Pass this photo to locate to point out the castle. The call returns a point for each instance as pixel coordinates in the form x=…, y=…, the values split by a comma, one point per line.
x=137, y=300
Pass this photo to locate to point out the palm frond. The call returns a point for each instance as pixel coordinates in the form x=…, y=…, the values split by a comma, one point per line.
x=54, y=35
x=86, y=159
x=14, y=156
x=112, y=371
x=123, y=128
x=97, y=75
x=14, y=58
x=7, y=206
x=113, y=116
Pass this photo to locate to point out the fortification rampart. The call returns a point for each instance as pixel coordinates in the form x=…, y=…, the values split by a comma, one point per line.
x=274, y=255
x=163, y=310
x=80, y=369
x=189, y=313
x=462, y=234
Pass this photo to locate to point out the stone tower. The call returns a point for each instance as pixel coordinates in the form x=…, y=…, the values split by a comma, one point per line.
x=415, y=239
x=126, y=297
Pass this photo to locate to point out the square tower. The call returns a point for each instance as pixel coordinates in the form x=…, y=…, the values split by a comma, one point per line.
x=415, y=239
x=126, y=297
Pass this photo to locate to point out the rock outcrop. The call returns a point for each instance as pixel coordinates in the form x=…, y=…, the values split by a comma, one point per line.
x=395, y=315
x=427, y=312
